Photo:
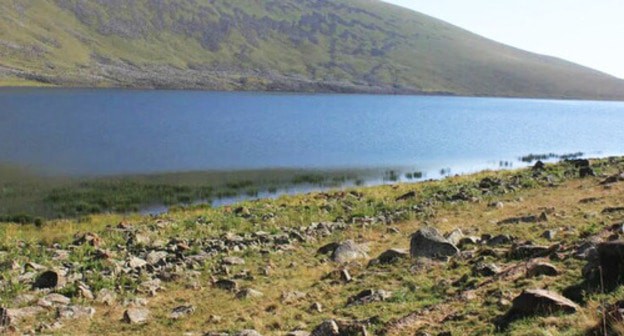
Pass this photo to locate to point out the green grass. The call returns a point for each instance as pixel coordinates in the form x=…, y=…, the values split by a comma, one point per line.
x=263, y=45
x=28, y=196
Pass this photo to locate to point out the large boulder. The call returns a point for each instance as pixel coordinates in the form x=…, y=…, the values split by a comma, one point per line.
x=427, y=242
x=348, y=251
x=536, y=302
x=606, y=269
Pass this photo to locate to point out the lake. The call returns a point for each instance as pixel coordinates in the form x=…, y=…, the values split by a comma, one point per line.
x=103, y=132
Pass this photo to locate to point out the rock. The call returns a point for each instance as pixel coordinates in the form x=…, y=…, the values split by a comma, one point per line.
x=549, y=234
x=5, y=318
x=468, y=241
x=454, y=236
x=502, y=239
x=486, y=270
x=75, y=312
x=613, y=179
x=610, y=210
x=586, y=172
x=85, y=292
x=427, y=242
x=181, y=312
x=135, y=263
x=49, y=280
x=529, y=251
x=88, y=238
x=327, y=328
x=11, y=316
x=154, y=258
x=136, y=315
x=539, y=165
x=329, y=248
x=392, y=255
x=248, y=332
x=106, y=296
x=367, y=296
x=150, y=287
x=542, y=268
x=536, y=302
x=298, y=333
x=404, y=197
x=229, y=285
x=348, y=251
x=316, y=307
x=53, y=299
x=233, y=261
x=610, y=260
x=519, y=220
x=292, y=297
x=345, y=275
x=249, y=293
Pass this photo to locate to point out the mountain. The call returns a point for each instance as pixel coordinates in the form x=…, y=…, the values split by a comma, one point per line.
x=287, y=45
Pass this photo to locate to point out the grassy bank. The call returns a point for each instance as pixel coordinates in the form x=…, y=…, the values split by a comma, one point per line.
x=26, y=197
x=425, y=295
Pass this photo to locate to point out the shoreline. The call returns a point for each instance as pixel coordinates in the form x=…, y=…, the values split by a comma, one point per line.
x=44, y=197
x=45, y=86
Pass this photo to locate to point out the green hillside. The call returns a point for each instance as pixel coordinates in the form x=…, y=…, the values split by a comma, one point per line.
x=293, y=45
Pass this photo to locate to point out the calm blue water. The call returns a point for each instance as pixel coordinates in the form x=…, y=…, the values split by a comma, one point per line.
x=116, y=131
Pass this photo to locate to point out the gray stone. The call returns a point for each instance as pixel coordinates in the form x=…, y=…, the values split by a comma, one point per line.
x=136, y=315
x=233, y=261
x=348, y=251
x=427, y=242
x=226, y=284
x=135, y=263
x=542, y=268
x=327, y=328
x=106, y=296
x=75, y=312
x=500, y=240
x=368, y=296
x=483, y=269
x=455, y=236
x=249, y=293
x=52, y=300
x=606, y=267
x=292, y=297
x=316, y=307
x=549, y=235
x=248, y=332
x=154, y=257
x=536, y=302
x=392, y=255
x=181, y=312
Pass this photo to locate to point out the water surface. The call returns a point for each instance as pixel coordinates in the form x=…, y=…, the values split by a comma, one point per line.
x=100, y=132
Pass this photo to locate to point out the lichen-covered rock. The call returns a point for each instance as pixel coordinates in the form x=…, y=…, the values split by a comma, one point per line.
x=348, y=251
x=427, y=242
x=136, y=315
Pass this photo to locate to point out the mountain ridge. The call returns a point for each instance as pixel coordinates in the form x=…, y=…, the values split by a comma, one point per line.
x=311, y=46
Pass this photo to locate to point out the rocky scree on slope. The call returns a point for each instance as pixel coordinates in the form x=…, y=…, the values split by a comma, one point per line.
x=149, y=263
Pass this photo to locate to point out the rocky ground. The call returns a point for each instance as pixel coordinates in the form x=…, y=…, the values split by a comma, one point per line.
x=529, y=252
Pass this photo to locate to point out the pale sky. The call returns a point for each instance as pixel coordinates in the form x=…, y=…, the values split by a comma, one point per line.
x=587, y=32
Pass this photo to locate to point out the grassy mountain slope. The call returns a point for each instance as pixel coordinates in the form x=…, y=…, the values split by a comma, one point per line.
x=344, y=45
